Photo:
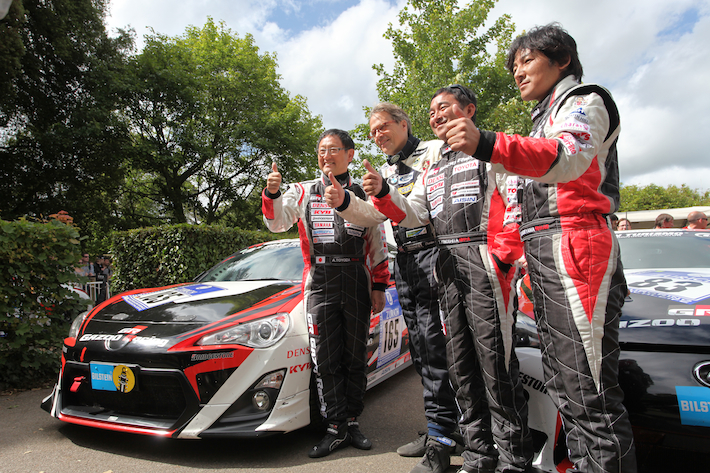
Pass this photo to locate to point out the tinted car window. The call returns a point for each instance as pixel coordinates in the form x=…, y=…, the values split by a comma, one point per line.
x=282, y=261
x=671, y=250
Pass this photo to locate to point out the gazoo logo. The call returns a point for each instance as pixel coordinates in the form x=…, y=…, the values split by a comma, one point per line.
x=299, y=368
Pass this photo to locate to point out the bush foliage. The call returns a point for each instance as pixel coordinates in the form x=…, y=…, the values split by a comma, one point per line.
x=158, y=256
x=36, y=304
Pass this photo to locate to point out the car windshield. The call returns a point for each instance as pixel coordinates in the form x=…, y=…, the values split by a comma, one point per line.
x=281, y=261
x=647, y=250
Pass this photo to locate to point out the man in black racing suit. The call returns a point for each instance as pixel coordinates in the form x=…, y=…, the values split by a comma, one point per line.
x=577, y=279
x=344, y=265
x=475, y=215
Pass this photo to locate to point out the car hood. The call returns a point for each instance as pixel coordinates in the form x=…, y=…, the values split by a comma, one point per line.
x=667, y=307
x=171, y=311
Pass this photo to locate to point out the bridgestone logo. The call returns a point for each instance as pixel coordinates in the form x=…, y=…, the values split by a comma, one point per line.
x=211, y=356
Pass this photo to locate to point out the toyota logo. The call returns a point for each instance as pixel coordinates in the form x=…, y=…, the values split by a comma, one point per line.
x=702, y=373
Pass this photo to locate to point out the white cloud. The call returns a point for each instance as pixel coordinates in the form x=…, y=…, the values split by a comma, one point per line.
x=658, y=80
x=655, y=78
x=332, y=65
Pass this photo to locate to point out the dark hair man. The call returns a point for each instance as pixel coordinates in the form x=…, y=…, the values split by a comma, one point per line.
x=623, y=224
x=475, y=214
x=573, y=256
x=339, y=290
x=407, y=158
x=663, y=221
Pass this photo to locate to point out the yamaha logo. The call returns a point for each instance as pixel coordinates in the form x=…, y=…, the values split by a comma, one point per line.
x=702, y=373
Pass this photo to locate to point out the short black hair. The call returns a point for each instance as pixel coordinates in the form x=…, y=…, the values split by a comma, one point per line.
x=348, y=142
x=552, y=41
x=463, y=96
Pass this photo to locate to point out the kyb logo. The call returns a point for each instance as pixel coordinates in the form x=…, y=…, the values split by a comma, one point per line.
x=299, y=368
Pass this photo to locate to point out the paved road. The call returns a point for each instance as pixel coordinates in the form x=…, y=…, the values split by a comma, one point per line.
x=32, y=441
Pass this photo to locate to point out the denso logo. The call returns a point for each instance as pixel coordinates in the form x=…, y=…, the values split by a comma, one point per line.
x=299, y=368
x=320, y=205
x=297, y=352
x=434, y=179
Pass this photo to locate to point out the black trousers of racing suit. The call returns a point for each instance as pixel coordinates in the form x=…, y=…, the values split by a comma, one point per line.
x=418, y=296
x=487, y=385
x=338, y=314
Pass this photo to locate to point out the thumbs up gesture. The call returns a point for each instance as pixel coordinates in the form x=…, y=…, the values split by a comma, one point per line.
x=273, y=181
x=334, y=193
x=371, y=181
x=461, y=133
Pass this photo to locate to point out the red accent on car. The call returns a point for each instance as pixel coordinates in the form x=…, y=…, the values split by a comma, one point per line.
x=77, y=383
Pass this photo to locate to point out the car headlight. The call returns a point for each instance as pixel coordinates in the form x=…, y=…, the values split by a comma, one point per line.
x=260, y=333
x=76, y=324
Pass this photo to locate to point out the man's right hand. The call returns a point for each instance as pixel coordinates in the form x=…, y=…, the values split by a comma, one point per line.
x=334, y=193
x=371, y=181
x=273, y=181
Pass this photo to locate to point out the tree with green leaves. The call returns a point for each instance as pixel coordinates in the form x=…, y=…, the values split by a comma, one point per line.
x=61, y=143
x=208, y=117
x=439, y=43
x=653, y=197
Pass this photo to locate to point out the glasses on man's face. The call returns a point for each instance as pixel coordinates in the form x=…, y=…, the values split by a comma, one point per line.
x=379, y=130
x=324, y=151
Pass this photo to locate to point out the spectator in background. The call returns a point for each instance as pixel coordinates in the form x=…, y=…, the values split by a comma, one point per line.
x=663, y=221
x=103, y=275
x=697, y=221
x=97, y=265
x=614, y=221
x=85, y=268
x=623, y=224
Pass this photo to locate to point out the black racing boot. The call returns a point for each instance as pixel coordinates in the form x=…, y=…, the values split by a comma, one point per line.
x=358, y=439
x=336, y=436
x=436, y=459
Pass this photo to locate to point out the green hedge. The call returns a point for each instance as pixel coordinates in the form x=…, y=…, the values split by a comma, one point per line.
x=36, y=306
x=158, y=256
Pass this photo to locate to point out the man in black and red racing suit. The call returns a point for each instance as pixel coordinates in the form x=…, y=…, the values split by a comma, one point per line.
x=475, y=215
x=572, y=254
x=344, y=265
x=407, y=158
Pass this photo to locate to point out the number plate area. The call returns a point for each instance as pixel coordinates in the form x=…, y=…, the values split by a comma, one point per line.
x=114, y=377
x=679, y=286
x=391, y=327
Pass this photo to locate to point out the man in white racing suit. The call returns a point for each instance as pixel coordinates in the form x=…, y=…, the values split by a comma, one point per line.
x=345, y=265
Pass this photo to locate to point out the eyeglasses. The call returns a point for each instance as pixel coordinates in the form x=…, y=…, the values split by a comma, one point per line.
x=324, y=151
x=380, y=129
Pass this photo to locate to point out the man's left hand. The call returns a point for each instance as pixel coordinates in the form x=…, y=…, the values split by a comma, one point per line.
x=378, y=301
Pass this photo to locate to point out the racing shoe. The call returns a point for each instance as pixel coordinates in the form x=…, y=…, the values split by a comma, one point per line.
x=436, y=459
x=336, y=436
x=415, y=448
x=358, y=439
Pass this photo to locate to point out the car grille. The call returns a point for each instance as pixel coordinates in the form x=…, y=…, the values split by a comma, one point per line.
x=158, y=394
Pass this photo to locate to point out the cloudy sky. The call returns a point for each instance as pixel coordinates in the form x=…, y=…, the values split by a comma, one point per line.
x=652, y=54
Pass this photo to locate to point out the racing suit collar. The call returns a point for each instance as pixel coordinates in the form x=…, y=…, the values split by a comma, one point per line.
x=557, y=90
x=409, y=147
x=343, y=179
